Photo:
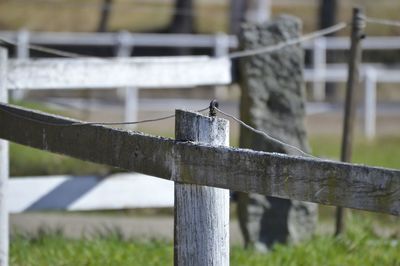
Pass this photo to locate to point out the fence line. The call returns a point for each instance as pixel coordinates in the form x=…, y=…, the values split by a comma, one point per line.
x=326, y=182
x=221, y=43
x=371, y=74
x=354, y=186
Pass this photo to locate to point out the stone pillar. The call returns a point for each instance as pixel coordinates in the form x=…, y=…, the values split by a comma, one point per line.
x=273, y=100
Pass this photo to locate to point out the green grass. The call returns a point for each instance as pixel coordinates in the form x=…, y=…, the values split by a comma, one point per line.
x=359, y=246
x=384, y=151
x=53, y=249
x=26, y=161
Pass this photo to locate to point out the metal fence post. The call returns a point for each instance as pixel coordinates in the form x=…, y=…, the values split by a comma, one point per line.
x=4, y=168
x=319, y=65
x=201, y=231
x=130, y=94
x=370, y=103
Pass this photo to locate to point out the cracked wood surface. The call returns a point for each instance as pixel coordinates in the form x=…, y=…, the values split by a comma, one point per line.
x=305, y=179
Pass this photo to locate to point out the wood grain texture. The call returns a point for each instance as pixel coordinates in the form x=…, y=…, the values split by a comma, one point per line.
x=305, y=179
x=201, y=231
x=145, y=72
x=4, y=167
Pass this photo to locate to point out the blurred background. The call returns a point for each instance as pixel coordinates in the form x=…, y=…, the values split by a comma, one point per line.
x=121, y=28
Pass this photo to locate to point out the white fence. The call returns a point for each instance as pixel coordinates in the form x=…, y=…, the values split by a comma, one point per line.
x=144, y=72
x=123, y=42
x=320, y=72
x=202, y=168
x=371, y=74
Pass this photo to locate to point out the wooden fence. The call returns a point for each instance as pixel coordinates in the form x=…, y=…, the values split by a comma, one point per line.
x=318, y=74
x=197, y=158
x=94, y=73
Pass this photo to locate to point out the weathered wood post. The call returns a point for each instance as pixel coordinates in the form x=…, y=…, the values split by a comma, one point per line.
x=201, y=231
x=353, y=81
x=4, y=171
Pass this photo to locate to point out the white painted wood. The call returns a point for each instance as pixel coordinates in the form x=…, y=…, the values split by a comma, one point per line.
x=4, y=167
x=24, y=191
x=22, y=53
x=118, y=191
x=125, y=191
x=258, y=11
x=201, y=213
x=130, y=94
x=370, y=103
x=156, y=72
x=319, y=64
x=221, y=44
x=131, y=105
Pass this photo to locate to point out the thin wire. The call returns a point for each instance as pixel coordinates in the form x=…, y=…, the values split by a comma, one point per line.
x=265, y=134
x=238, y=54
x=290, y=42
x=47, y=50
x=66, y=124
x=380, y=21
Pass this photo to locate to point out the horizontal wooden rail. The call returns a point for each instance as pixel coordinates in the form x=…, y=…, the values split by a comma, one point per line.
x=298, y=178
x=145, y=72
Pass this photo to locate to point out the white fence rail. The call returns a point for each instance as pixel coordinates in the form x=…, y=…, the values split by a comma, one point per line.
x=371, y=74
x=147, y=72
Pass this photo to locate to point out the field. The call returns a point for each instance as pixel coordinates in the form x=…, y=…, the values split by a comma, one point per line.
x=133, y=15
x=371, y=239
x=359, y=246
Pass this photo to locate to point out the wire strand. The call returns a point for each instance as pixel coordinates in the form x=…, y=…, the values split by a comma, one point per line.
x=47, y=50
x=265, y=134
x=278, y=46
x=380, y=21
x=66, y=124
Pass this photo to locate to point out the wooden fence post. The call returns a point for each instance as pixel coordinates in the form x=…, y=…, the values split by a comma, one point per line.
x=4, y=171
x=350, y=101
x=201, y=231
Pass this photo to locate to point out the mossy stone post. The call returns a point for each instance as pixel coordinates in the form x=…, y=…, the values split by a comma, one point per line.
x=273, y=100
